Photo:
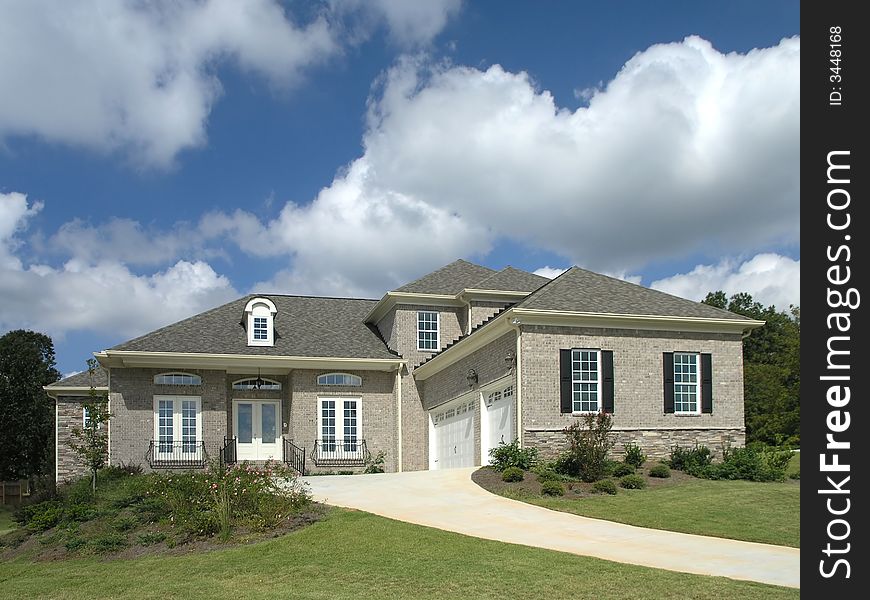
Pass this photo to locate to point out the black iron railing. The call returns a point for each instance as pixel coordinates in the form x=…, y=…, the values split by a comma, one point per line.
x=187, y=454
x=228, y=455
x=294, y=456
x=339, y=452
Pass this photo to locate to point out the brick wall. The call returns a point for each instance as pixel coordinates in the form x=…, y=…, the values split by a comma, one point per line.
x=638, y=385
x=481, y=311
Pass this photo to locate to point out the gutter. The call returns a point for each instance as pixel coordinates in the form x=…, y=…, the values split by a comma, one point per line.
x=131, y=358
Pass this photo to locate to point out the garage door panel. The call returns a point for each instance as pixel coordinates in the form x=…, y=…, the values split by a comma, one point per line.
x=454, y=437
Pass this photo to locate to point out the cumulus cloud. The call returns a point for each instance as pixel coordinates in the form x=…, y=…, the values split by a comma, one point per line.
x=770, y=278
x=141, y=77
x=104, y=296
x=549, y=272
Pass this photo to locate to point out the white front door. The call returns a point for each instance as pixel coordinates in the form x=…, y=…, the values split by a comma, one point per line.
x=499, y=417
x=454, y=436
x=256, y=427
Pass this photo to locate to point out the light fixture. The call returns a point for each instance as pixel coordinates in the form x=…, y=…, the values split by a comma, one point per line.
x=258, y=382
x=509, y=358
x=471, y=377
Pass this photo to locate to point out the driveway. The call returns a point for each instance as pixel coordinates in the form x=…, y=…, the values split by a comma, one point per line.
x=449, y=500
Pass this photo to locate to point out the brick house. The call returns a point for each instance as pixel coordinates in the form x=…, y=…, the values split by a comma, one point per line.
x=433, y=374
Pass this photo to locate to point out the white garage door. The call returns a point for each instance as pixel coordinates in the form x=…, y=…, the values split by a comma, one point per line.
x=498, y=419
x=454, y=436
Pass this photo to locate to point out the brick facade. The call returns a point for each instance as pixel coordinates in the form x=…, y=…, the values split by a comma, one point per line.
x=481, y=311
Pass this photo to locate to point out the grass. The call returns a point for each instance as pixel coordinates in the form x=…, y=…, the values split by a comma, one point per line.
x=357, y=555
x=6, y=522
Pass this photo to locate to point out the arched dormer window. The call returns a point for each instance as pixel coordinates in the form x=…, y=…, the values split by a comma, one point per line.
x=177, y=379
x=251, y=384
x=260, y=321
x=339, y=379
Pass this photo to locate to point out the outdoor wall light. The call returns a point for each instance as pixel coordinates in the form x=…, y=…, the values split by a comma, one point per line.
x=471, y=377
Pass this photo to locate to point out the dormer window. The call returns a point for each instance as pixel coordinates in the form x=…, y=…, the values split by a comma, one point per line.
x=260, y=321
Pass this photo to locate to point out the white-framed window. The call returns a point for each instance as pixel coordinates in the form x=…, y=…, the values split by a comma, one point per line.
x=586, y=380
x=177, y=379
x=261, y=322
x=345, y=379
x=687, y=383
x=428, y=337
x=340, y=426
x=86, y=418
x=251, y=384
x=177, y=425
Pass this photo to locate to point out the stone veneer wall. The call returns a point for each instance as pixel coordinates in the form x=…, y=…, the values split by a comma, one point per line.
x=69, y=415
x=132, y=405
x=638, y=387
x=377, y=421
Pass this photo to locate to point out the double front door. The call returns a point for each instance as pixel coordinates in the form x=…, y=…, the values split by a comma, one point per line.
x=257, y=427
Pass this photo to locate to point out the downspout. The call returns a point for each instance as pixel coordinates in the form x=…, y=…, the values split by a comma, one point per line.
x=56, y=458
x=399, y=415
x=109, y=422
x=515, y=325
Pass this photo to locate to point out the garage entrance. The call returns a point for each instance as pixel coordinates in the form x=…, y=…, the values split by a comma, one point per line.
x=498, y=420
x=453, y=435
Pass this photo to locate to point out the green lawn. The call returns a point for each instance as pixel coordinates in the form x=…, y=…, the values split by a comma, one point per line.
x=357, y=555
x=742, y=510
x=6, y=522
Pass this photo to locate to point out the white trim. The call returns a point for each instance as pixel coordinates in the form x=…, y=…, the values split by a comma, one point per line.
x=399, y=418
x=241, y=363
x=265, y=380
x=698, y=375
x=55, y=391
x=391, y=299
x=279, y=425
x=357, y=377
x=177, y=422
x=260, y=308
x=339, y=419
x=519, y=387
x=260, y=300
x=437, y=330
x=194, y=376
x=598, y=382
x=56, y=449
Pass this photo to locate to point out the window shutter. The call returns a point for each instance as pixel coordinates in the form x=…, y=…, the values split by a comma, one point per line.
x=607, y=380
x=668, y=372
x=566, y=388
x=706, y=383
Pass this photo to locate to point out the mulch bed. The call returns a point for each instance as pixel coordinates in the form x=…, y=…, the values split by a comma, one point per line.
x=490, y=480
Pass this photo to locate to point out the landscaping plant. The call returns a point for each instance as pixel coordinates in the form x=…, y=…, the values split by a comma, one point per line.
x=633, y=482
x=589, y=443
x=661, y=471
x=512, y=474
x=552, y=488
x=604, y=486
x=622, y=469
x=634, y=456
x=376, y=464
x=511, y=455
x=91, y=441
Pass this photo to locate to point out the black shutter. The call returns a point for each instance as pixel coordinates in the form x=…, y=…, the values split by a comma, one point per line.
x=566, y=389
x=706, y=383
x=668, y=372
x=607, y=380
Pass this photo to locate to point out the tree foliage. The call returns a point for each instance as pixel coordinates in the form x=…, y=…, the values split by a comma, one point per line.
x=26, y=412
x=771, y=369
x=91, y=441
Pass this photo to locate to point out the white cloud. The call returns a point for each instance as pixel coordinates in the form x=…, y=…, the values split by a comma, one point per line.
x=102, y=296
x=409, y=24
x=549, y=272
x=769, y=278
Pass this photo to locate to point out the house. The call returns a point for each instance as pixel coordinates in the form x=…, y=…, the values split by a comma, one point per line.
x=434, y=374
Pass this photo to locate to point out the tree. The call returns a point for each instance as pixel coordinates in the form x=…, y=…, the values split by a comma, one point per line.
x=26, y=412
x=91, y=441
x=771, y=377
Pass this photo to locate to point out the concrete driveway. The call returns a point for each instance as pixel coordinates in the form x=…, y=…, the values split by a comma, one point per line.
x=449, y=500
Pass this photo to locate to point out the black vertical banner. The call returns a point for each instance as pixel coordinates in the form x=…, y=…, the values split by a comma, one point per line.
x=835, y=431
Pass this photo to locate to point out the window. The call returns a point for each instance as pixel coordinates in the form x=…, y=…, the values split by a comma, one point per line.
x=177, y=379
x=86, y=418
x=251, y=384
x=585, y=380
x=177, y=425
x=339, y=379
x=340, y=428
x=427, y=330
x=686, y=383
x=260, y=319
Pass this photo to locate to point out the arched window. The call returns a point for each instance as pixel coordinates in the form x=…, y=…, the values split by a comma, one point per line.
x=339, y=379
x=260, y=319
x=251, y=384
x=177, y=379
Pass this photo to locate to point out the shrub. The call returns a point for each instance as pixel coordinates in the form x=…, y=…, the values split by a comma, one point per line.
x=661, y=471
x=511, y=455
x=512, y=474
x=588, y=445
x=634, y=456
x=73, y=543
x=552, y=488
x=125, y=523
x=753, y=463
x=376, y=464
x=42, y=516
x=149, y=538
x=633, y=482
x=604, y=486
x=693, y=461
x=548, y=475
x=108, y=542
x=622, y=469
x=795, y=475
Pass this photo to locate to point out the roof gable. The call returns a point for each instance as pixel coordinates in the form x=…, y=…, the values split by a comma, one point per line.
x=510, y=279
x=450, y=279
x=83, y=379
x=579, y=290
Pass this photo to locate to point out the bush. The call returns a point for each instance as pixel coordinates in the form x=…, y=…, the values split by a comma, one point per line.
x=661, y=471
x=41, y=516
x=753, y=463
x=548, y=474
x=795, y=475
x=693, y=461
x=74, y=543
x=108, y=542
x=634, y=456
x=588, y=445
x=125, y=523
x=120, y=471
x=622, y=469
x=512, y=474
x=376, y=464
x=604, y=486
x=504, y=456
x=633, y=482
x=149, y=538
x=552, y=488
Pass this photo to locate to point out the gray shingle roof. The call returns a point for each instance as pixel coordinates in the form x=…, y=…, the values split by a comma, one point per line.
x=510, y=279
x=450, y=279
x=304, y=326
x=82, y=379
x=580, y=290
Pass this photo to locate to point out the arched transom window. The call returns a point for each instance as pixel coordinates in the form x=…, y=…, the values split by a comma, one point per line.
x=251, y=384
x=339, y=379
x=177, y=379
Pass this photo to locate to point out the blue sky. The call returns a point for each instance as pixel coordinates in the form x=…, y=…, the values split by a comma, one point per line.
x=160, y=159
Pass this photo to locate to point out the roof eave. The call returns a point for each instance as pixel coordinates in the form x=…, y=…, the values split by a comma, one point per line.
x=66, y=390
x=391, y=299
x=530, y=316
x=193, y=360
x=484, y=294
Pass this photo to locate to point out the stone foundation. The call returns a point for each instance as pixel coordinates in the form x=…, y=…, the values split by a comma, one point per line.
x=656, y=443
